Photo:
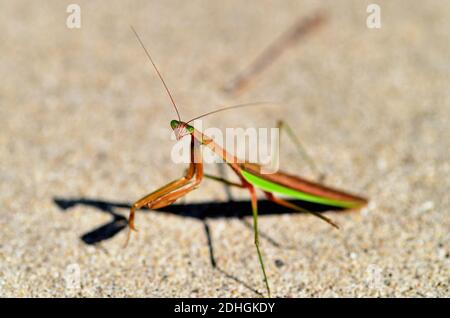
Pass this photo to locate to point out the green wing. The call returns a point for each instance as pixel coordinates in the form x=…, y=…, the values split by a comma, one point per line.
x=271, y=186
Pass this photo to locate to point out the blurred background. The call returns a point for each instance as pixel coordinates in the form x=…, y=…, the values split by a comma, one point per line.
x=85, y=132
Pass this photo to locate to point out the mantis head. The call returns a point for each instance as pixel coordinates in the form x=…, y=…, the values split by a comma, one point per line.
x=181, y=129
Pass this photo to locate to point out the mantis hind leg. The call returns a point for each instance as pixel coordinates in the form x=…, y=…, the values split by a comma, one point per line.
x=295, y=207
x=281, y=124
x=254, y=201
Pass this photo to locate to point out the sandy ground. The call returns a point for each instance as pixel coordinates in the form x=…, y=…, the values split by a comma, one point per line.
x=85, y=132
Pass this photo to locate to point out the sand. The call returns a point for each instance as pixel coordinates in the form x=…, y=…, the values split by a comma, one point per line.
x=85, y=132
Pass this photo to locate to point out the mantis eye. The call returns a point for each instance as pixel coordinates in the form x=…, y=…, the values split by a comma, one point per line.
x=189, y=128
x=174, y=124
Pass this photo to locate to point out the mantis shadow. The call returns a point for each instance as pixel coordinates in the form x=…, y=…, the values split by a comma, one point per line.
x=201, y=211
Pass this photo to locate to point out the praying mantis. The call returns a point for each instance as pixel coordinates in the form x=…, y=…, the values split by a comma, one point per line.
x=250, y=176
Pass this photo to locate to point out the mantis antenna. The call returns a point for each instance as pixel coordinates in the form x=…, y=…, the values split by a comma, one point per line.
x=230, y=107
x=157, y=71
x=170, y=95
